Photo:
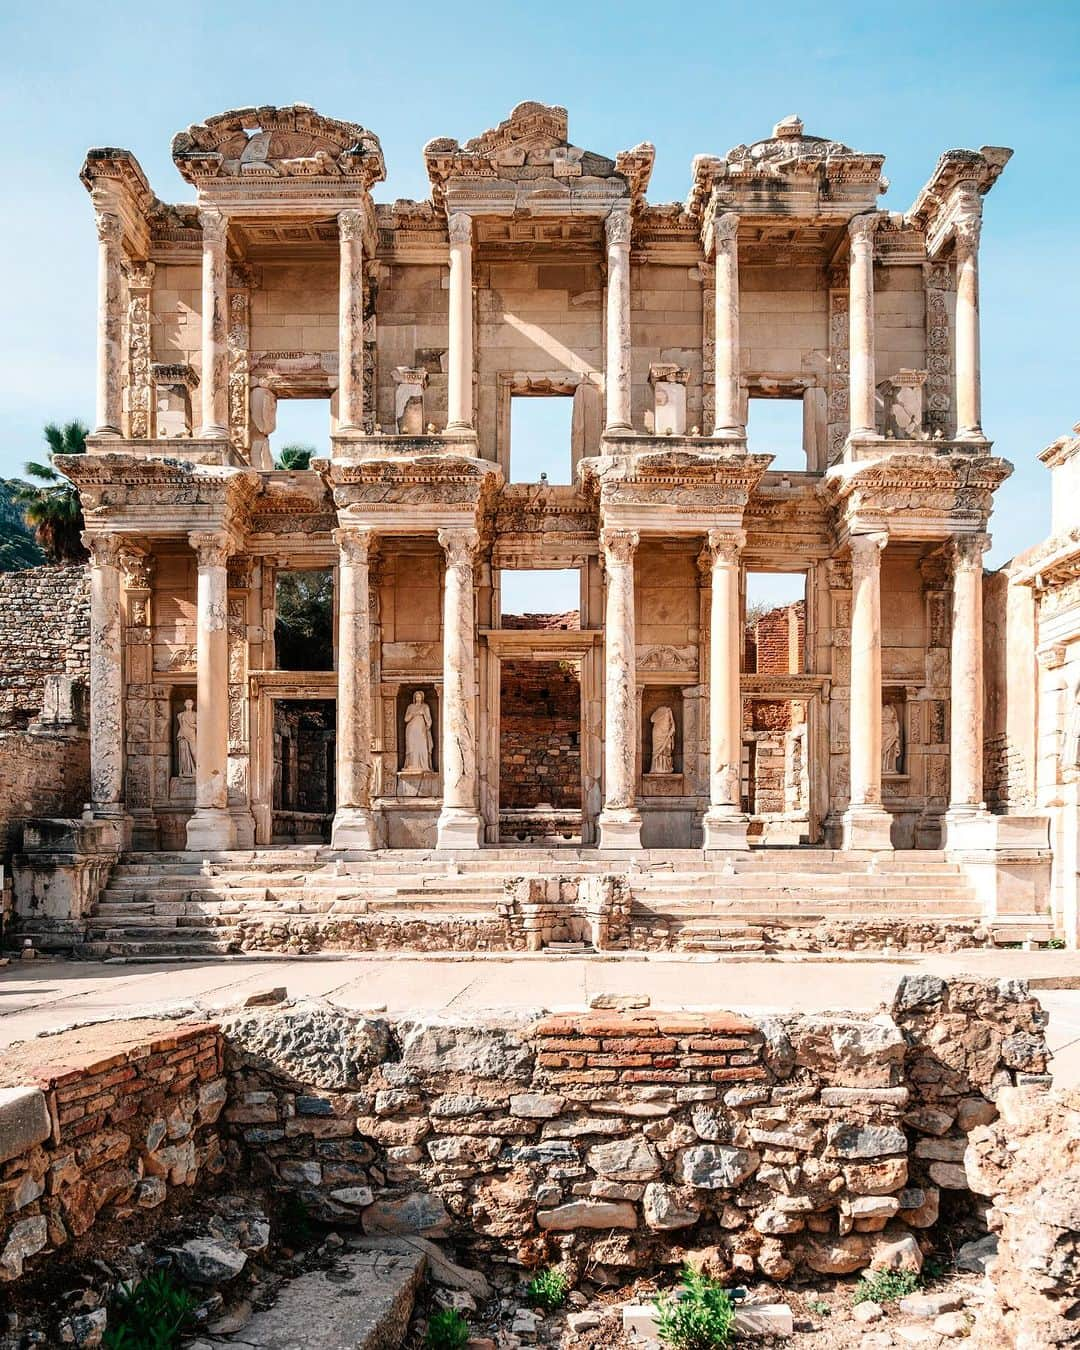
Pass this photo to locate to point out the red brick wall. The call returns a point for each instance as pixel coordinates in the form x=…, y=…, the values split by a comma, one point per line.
x=768, y=642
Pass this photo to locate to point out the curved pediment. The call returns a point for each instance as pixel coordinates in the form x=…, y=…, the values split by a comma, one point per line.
x=293, y=142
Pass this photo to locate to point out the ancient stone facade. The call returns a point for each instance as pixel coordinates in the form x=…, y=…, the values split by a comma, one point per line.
x=539, y=269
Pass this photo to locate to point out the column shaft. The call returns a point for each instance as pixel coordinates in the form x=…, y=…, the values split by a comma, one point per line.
x=354, y=825
x=211, y=826
x=725, y=823
x=620, y=820
x=459, y=821
x=351, y=321
x=617, y=361
x=109, y=352
x=214, y=385
x=966, y=676
x=106, y=676
x=968, y=374
x=460, y=407
x=728, y=420
x=866, y=824
x=862, y=388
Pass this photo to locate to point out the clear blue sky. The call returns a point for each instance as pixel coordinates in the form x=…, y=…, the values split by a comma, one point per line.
x=908, y=81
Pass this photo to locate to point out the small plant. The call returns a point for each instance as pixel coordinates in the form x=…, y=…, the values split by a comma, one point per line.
x=447, y=1329
x=548, y=1290
x=819, y=1307
x=886, y=1286
x=1055, y=944
x=154, y=1314
x=698, y=1316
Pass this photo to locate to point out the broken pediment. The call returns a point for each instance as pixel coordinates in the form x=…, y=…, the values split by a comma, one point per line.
x=293, y=142
x=532, y=148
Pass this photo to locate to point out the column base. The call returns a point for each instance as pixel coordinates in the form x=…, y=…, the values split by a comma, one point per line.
x=723, y=831
x=968, y=828
x=117, y=826
x=620, y=828
x=353, y=828
x=211, y=830
x=866, y=828
x=213, y=434
x=463, y=436
x=459, y=828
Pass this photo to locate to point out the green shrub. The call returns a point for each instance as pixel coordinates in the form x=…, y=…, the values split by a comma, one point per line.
x=154, y=1314
x=548, y=1290
x=886, y=1286
x=698, y=1316
x=447, y=1329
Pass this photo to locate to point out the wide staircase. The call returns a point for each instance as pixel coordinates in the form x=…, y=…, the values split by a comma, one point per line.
x=171, y=904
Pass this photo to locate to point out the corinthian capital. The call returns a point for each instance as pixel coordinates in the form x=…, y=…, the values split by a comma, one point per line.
x=966, y=551
x=723, y=547
x=619, y=546
x=968, y=225
x=722, y=232
x=866, y=552
x=354, y=543
x=214, y=225
x=104, y=549
x=109, y=227
x=459, y=545
x=351, y=225
x=459, y=227
x=617, y=224
x=212, y=549
x=861, y=230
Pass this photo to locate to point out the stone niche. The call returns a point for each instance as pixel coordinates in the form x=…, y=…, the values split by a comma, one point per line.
x=665, y=783
x=174, y=383
x=411, y=784
x=181, y=786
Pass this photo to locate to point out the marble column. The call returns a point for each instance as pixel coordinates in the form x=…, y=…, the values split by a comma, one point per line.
x=862, y=387
x=724, y=823
x=109, y=411
x=966, y=680
x=106, y=676
x=351, y=321
x=968, y=377
x=211, y=828
x=620, y=820
x=866, y=825
x=354, y=825
x=460, y=826
x=460, y=393
x=214, y=379
x=617, y=360
x=725, y=233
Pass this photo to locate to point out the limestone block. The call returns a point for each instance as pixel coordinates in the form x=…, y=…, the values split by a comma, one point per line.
x=587, y=1214
x=24, y=1120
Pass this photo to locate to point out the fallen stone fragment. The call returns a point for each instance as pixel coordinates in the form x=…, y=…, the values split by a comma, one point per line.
x=583, y=1321
x=897, y=1253
x=619, y=1002
x=24, y=1120
x=440, y=1267
x=639, y=1319
x=587, y=1214
x=416, y=1213
x=931, y=1304
x=85, y=1330
x=951, y=1324
x=979, y=1255
x=763, y=1319
x=208, y=1261
x=24, y=1239
x=867, y=1312
x=669, y=1207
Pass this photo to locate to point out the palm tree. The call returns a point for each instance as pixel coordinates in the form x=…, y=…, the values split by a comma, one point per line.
x=295, y=457
x=51, y=503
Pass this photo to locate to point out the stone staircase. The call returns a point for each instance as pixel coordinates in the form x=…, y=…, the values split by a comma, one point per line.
x=288, y=899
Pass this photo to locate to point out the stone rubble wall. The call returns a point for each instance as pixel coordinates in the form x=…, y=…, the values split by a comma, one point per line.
x=1028, y=1163
x=44, y=630
x=105, y=1139
x=777, y=1145
x=42, y=773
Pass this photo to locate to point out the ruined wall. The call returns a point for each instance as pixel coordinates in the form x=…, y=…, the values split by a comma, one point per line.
x=89, y=1137
x=44, y=630
x=540, y=735
x=42, y=773
x=1010, y=684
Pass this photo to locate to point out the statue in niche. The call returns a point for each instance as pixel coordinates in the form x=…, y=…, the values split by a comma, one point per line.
x=663, y=740
x=418, y=740
x=186, y=726
x=890, y=739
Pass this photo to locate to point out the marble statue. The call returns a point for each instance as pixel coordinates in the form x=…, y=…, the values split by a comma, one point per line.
x=663, y=740
x=418, y=740
x=186, y=723
x=890, y=739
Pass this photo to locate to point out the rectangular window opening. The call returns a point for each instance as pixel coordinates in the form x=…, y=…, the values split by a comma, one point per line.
x=774, y=426
x=541, y=600
x=540, y=439
x=299, y=429
x=304, y=620
x=774, y=628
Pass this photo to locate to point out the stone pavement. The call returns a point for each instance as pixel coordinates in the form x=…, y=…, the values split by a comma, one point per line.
x=44, y=995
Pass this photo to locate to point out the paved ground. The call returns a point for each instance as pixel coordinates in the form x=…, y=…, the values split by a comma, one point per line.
x=44, y=995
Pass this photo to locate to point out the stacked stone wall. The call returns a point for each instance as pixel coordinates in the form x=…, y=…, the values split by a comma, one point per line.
x=44, y=630
x=90, y=1137
x=42, y=773
x=540, y=735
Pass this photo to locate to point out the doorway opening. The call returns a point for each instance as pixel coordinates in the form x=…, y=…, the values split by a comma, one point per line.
x=304, y=620
x=304, y=771
x=774, y=630
x=776, y=776
x=541, y=428
x=540, y=752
